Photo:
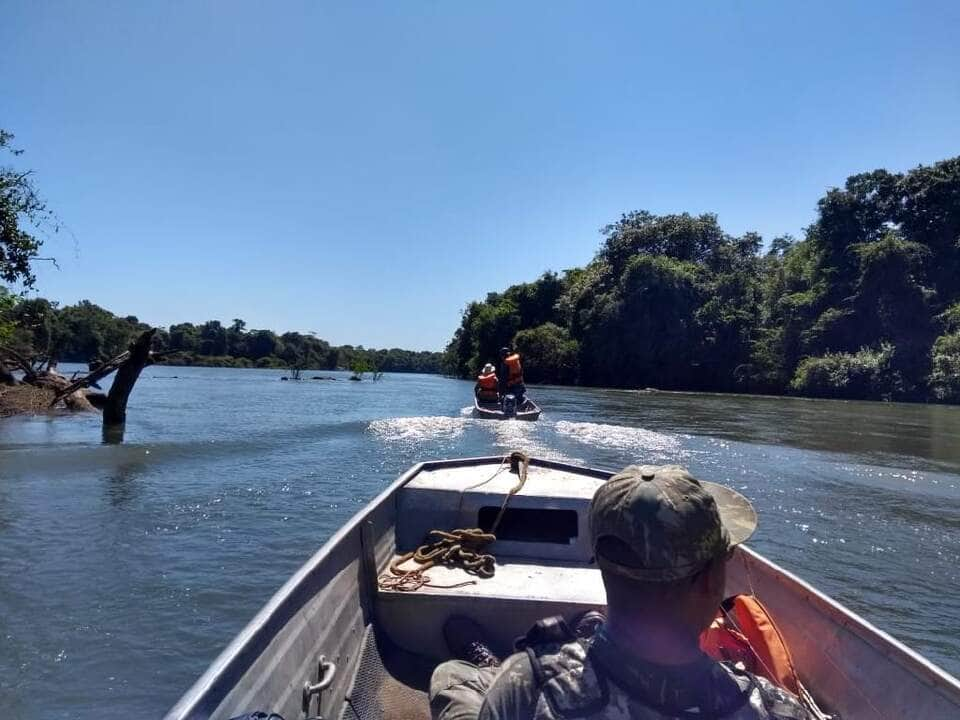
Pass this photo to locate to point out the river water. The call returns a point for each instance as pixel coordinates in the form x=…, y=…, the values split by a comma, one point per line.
x=124, y=570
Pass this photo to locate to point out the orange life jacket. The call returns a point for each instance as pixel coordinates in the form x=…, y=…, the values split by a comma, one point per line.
x=514, y=371
x=488, y=386
x=744, y=632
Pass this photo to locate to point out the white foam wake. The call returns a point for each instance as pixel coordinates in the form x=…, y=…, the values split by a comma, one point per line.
x=418, y=428
x=525, y=436
x=647, y=445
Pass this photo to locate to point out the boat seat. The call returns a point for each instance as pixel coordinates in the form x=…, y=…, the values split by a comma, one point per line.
x=506, y=606
x=545, y=520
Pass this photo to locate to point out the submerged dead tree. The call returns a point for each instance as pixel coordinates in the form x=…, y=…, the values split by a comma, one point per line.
x=74, y=394
x=115, y=407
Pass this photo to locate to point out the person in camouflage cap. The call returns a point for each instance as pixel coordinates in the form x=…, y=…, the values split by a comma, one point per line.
x=664, y=524
x=661, y=539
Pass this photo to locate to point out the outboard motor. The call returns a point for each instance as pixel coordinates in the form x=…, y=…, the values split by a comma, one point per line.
x=509, y=405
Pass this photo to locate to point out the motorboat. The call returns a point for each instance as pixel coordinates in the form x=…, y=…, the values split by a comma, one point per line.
x=343, y=639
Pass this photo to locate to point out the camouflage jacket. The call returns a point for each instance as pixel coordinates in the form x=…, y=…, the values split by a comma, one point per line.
x=595, y=679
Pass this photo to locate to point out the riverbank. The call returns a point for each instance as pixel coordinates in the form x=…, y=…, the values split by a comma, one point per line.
x=772, y=395
x=24, y=400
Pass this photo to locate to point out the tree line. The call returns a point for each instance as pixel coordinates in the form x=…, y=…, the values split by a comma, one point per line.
x=86, y=332
x=866, y=305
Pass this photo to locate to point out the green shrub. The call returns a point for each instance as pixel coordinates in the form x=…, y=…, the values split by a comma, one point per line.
x=945, y=375
x=863, y=375
x=950, y=319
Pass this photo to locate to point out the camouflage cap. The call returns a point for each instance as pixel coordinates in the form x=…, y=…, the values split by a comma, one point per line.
x=673, y=523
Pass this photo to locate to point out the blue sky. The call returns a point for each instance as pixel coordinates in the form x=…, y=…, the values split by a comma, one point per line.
x=363, y=170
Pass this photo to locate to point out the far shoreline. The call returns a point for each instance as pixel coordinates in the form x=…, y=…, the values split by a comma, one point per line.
x=25, y=400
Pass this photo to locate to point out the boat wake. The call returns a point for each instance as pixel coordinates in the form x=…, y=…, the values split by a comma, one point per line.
x=407, y=429
x=647, y=445
x=525, y=436
x=547, y=440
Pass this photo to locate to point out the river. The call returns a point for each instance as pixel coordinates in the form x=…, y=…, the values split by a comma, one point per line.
x=125, y=569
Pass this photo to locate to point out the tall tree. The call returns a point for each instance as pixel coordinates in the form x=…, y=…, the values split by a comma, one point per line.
x=213, y=338
x=22, y=214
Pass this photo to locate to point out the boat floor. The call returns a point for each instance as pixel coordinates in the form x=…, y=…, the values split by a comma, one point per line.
x=389, y=684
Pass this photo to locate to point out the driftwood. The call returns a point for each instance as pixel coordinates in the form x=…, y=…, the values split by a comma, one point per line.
x=101, y=372
x=75, y=400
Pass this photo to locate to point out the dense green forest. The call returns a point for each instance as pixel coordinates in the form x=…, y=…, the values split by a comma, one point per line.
x=865, y=305
x=85, y=332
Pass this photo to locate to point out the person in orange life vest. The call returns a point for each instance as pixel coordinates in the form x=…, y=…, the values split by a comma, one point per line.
x=511, y=375
x=486, y=387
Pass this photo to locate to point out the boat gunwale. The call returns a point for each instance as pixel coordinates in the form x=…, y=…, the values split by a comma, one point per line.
x=879, y=640
x=254, y=638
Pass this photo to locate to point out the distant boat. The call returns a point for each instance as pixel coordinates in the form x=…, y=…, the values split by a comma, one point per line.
x=528, y=410
x=338, y=641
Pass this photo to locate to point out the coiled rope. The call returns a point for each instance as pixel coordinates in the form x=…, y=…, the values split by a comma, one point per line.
x=461, y=548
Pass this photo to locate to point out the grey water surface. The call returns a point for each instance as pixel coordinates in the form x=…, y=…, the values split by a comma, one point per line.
x=125, y=569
